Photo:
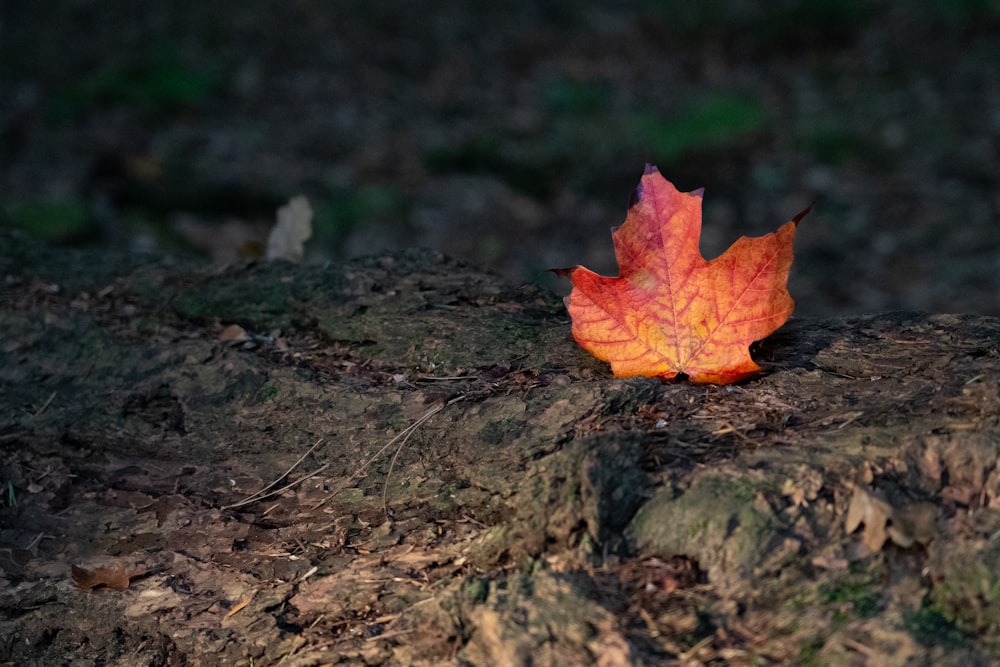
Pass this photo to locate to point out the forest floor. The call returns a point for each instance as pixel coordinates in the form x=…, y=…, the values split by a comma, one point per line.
x=464, y=484
x=403, y=460
x=511, y=136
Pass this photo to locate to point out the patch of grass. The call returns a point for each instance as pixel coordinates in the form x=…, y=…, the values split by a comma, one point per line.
x=711, y=122
x=54, y=221
x=158, y=81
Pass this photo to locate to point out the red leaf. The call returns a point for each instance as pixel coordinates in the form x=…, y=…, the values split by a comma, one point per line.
x=672, y=312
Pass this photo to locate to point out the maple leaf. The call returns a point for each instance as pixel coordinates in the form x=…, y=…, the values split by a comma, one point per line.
x=670, y=311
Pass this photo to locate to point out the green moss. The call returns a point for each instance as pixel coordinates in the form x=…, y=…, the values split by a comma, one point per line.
x=930, y=627
x=968, y=591
x=715, y=521
x=809, y=653
x=477, y=590
x=862, y=597
x=856, y=594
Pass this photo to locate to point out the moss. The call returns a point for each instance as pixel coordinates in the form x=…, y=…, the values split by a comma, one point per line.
x=809, y=653
x=262, y=297
x=477, y=590
x=930, y=627
x=968, y=592
x=859, y=589
x=715, y=521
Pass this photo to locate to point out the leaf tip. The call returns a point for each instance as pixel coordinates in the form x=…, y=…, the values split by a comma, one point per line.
x=803, y=213
x=636, y=197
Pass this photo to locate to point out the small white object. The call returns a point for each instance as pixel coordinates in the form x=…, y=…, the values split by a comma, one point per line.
x=290, y=233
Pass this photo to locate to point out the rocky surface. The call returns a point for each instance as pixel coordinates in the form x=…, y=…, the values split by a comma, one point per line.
x=449, y=479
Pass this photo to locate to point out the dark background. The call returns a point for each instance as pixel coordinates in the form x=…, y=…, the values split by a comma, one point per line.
x=511, y=134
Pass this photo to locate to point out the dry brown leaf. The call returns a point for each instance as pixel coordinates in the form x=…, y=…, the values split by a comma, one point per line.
x=913, y=523
x=871, y=511
x=234, y=333
x=115, y=575
x=804, y=489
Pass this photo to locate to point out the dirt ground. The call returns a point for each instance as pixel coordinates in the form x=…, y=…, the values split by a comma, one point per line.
x=404, y=460
x=511, y=135
x=393, y=457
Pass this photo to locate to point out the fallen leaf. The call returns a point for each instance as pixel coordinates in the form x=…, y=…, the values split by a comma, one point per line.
x=873, y=512
x=290, y=233
x=905, y=525
x=670, y=311
x=234, y=333
x=115, y=575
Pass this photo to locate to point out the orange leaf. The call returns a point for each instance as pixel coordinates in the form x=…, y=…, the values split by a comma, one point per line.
x=670, y=311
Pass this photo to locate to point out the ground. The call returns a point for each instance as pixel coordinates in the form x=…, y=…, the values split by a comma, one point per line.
x=511, y=135
x=393, y=457
x=405, y=460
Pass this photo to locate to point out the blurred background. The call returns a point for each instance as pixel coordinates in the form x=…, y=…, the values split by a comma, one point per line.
x=511, y=134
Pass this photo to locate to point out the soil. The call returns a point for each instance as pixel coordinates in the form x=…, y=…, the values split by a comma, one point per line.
x=394, y=457
x=404, y=460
